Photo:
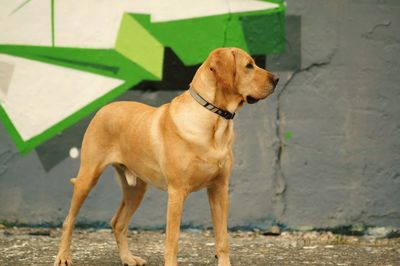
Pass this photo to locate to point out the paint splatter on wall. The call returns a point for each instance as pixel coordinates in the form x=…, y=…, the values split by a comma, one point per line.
x=61, y=60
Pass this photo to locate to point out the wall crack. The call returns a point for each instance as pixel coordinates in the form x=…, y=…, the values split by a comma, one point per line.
x=280, y=185
x=5, y=157
x=385, y=24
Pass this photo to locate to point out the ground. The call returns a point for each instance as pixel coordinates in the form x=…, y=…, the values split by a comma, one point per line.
x=38, y=246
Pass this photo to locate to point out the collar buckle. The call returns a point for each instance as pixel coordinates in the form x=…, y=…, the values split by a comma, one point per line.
x=226, y=114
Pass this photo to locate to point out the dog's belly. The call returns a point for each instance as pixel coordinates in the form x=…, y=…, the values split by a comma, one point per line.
x=151, y=176
x=156, y=181
x=199, y=171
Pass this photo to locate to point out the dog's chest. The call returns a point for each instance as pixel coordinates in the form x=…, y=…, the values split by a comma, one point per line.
x=212, y=163
x=217, y=157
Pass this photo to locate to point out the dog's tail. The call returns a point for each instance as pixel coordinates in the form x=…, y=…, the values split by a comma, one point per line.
x=72, y=180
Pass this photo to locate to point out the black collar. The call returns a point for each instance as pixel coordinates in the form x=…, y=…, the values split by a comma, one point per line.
x=210, y=107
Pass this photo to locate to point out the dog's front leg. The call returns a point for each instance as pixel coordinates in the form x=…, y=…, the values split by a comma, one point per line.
x=218, y=199
x=176, y=198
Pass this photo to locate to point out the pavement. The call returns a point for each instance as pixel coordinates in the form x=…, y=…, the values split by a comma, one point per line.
x=38, y=246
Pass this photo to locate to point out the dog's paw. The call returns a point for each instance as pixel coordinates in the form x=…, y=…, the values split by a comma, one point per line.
x=132, y=261
x=223, y=260
x=224, y=263
x=63, y=260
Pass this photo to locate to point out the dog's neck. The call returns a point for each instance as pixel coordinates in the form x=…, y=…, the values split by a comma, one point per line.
x=193, y=120
x=219, y=97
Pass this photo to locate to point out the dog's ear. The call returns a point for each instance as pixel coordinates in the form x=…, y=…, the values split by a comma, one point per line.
x=222, y=64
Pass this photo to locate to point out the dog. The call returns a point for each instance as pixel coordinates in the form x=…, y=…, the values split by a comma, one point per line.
x=179, y=147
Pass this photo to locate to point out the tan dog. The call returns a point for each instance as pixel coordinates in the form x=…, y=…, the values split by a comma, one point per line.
x=178, y=147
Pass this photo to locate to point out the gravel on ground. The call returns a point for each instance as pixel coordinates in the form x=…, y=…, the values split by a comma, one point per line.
x=38, y=246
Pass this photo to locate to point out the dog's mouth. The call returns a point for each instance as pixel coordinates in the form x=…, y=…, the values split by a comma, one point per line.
x=251, y=100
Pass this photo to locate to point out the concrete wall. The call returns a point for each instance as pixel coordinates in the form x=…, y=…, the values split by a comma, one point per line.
x=342, y=165
x=323, y=151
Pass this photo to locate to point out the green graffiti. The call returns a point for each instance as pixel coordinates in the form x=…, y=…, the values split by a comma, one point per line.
x=288, y=135
x=138, y=53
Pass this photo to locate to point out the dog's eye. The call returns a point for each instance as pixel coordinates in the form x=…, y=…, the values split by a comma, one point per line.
x=249, y=66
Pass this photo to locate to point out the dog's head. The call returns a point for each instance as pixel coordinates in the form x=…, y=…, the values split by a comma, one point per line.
x=234, y=72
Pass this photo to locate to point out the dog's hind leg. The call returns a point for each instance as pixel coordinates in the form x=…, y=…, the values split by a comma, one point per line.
x=132, y=196
x=85, y=181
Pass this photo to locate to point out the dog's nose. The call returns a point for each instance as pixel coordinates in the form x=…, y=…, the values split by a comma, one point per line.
x=274, y=79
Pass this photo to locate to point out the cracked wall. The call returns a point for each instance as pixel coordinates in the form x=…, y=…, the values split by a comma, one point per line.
x=323, y=151
x=342, y=164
